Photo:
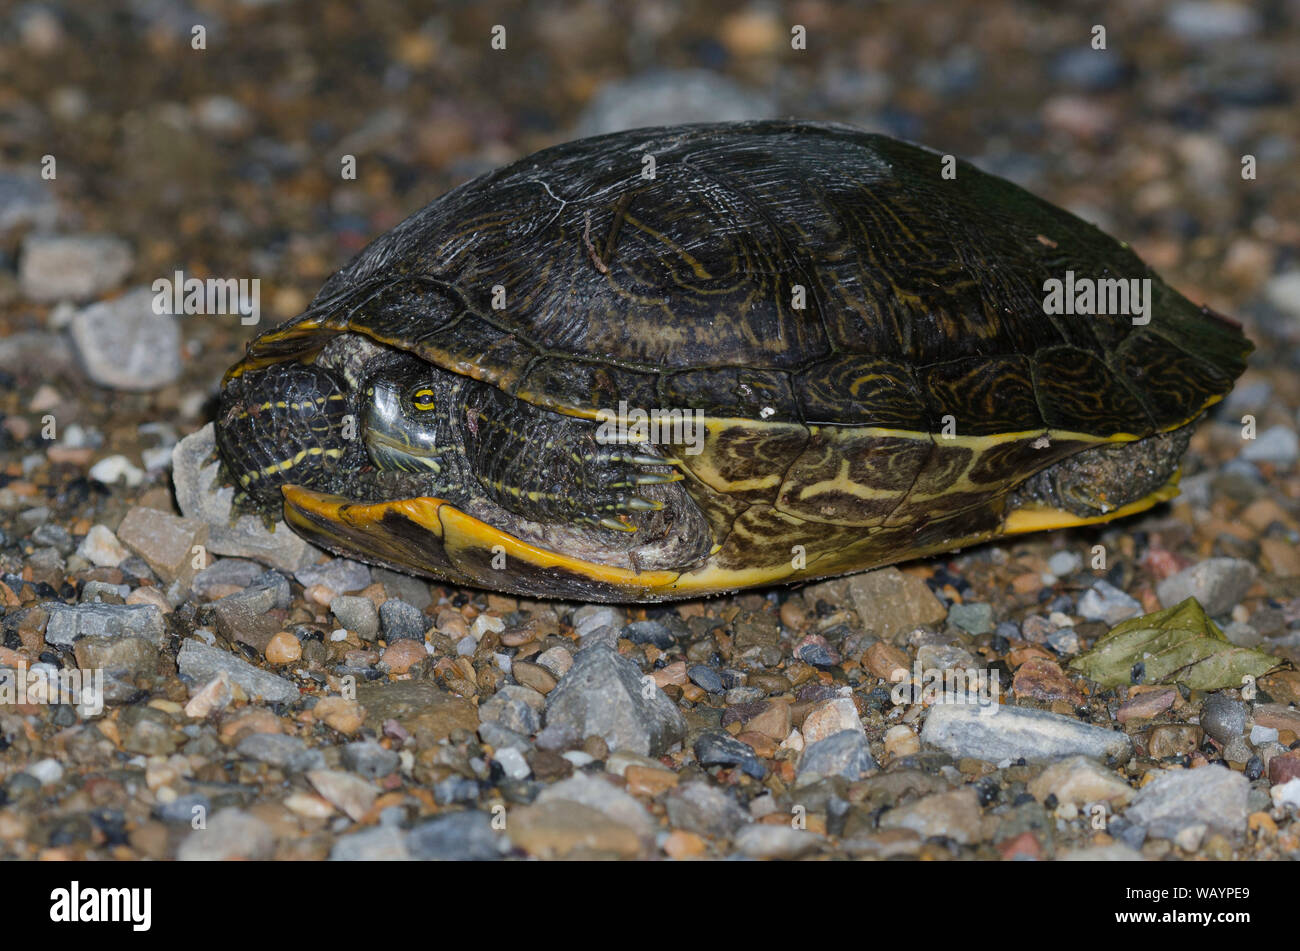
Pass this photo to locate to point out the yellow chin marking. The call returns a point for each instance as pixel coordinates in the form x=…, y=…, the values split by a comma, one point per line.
x=1049, y=519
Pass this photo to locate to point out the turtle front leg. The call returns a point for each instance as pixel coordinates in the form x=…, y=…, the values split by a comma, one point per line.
x=548, y=467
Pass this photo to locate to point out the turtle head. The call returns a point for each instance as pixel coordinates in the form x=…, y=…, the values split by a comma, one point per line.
x=407, y=424
x=284, y=424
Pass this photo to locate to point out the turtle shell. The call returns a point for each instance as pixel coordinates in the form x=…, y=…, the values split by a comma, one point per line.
x=862, y=323
x=776, y=272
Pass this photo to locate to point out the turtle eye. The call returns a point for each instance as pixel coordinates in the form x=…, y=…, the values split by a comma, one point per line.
x=423, y=399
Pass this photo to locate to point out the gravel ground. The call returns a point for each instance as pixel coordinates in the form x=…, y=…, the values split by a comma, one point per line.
x=263, y=700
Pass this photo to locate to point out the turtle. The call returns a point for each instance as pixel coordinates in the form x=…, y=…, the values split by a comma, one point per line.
x=678, y=361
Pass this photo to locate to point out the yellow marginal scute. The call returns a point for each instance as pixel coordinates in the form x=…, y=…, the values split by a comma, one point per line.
x=1044, y=519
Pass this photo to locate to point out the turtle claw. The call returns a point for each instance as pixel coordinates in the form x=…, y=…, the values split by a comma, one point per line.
x=638, y=504
x=615, y=525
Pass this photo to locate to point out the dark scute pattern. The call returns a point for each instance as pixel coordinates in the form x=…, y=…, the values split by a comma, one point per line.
x=991, y=395
x=856, y=390
x=734, y=391
x=1074, y=385
x=697, y=270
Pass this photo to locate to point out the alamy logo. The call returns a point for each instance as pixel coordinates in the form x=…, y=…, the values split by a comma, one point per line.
x=632, y=426
x=1099, y=297
x=75, y=904
x=47, y=684
x=179, y=295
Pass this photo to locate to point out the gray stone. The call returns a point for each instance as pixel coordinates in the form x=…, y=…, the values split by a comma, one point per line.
x=277, y=749
x=376, y=844
x=402, y=621
x=201, y=495
x=230, y=834
x=356, y=614
x=778, y=842
x=974, y=618
x=1105, y=602
x=69, y=622
x=1275, y=444
x=124, y=345
x=1177, y=799
x=514, y=707
x=591, y=617
x=1064, y=563
x=1212, y=21
x=224, y=572
x=603, y=636
x=606, y=695
x=397, y=585
x=954, y=815
x=202, y=662
x=603, y=796
x=846, y=753
x=705, y=810
x=340, y=575
x=890, y=603
x=369, y=759
x=26, y=201
x=459, y=836
x=969, y=730
x=716, y=748
x=1218, y=584
x=73, y=267
x=1223, y=717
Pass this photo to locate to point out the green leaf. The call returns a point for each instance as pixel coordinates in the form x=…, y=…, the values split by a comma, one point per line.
x=1178, y=645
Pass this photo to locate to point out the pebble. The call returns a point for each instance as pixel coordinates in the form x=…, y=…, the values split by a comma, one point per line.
x=1276, y=444
x=202, y=662
x=705, y=810
x=170, y=545
x=512, y=763
x=1149, y=703
x=1080, y=781
x=762, y=841
x=212, y=697
x=1064, y=563
x=357, y=614
x=1286, y=794
x=1223, y=717
x=123, y=345
x=285, y=752
x=846, y=754
x=376, y=844
x=515, y=707
x=954, y=815
x=962, y=730
x=829, y=717
x=1173, y=739
x=349, y=794
x=230, y=834
x=591, y=617
x=1105, y=602
x=101, y=547
x=340, y=713
x=598, y=793
x=560, y=827
x=1213, y=796
x=1212, y=21
x=402, y=656
x=974, y=617
x=74, y=267
x=890, y=603
x=604, y=695
x=341, y=575
x=401, y=621
x=901, y=740
x=283, y=649
x=457, y=836
x=370, y=760
x=715, y=748
x=201, y=496
x=26, y=201
x=47, y=771
x=1218, y=584
x=69, y=622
